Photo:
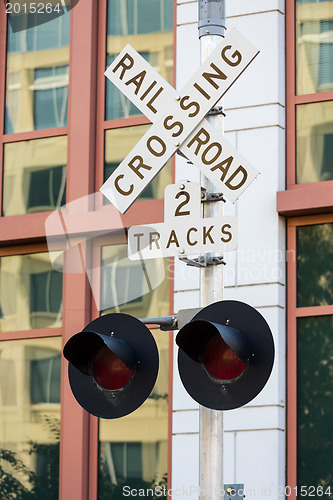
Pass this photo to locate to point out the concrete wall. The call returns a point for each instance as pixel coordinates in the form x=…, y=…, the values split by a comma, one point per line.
x=254, y=435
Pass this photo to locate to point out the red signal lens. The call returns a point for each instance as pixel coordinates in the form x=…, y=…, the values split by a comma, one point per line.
x=221, y=361
x=109, y=371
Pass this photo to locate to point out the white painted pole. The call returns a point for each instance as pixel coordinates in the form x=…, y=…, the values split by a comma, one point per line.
x=211, y=28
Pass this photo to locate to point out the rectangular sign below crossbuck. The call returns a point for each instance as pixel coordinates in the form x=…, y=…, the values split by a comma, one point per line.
x=182, y=237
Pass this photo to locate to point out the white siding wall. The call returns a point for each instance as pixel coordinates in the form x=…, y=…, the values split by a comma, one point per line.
x=255, y=123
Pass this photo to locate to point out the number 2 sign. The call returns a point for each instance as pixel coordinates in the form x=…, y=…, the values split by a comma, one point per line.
x=184, y=231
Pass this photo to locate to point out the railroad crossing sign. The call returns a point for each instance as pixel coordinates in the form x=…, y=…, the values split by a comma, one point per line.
x=178, y=122
x=184, y=231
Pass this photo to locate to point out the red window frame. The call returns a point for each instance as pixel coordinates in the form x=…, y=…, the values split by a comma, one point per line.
x=293, y=313
x=26, y=233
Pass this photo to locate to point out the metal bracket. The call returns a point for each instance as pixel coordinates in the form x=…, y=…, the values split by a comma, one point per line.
x=192, y=262
x=174, y=322
x=211, y=196
x=217, y=110
x=180, y=153
x=165, y=323
x=202, y=261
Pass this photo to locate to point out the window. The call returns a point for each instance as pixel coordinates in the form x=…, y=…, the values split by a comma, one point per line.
x=51, y=97
x=314, y=48
x=37, y=94
x=314, y=142
x=314, y=401
x=315, y=265
x=151, y=23
x=310, y=351
x=29, y=430
x=307, y=202
x=34, y=175
x=45, y=377
x=314, y=355
x=140, y=289
x=30, y=291
x=314, y=57
x=132, y=17
x=62, y=131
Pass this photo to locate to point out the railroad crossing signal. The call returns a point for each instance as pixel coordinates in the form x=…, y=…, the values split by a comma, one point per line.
x=226, y=354
x=113, y=365
x=178, y=122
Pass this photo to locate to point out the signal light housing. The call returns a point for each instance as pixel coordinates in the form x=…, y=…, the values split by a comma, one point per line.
x=226, y=355
x=113, y=365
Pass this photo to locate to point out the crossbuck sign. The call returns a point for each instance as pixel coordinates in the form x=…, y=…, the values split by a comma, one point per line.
x=178, y=122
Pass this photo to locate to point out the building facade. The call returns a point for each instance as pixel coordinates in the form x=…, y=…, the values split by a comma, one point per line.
x=63, y=130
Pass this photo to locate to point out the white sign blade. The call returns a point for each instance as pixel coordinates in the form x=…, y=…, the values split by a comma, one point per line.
x=139, y=168
x=217, y=74
x=182, y=237
x=219, y=161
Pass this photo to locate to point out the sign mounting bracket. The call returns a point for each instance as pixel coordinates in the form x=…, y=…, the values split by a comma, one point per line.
x=202, y=261
x=211, y=196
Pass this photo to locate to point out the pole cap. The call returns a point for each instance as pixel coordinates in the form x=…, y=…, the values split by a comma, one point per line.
x=211, y=17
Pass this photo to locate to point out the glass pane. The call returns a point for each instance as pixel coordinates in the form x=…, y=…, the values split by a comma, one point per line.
x=315, y=402
x=118, y=143
x=314, y=46
x=37, y=76
x=30, y=292
x=315, y=265
x=133, y=287
x=314, y=158
x=133, y=449
x=30, y=418
x=148, y=26
x=34, y=176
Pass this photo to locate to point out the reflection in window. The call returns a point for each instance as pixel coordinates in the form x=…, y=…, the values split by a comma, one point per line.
x=314, y=44
x=125, y=459
x=138, y=286
x=118, y=143
x=148, y=26
x=315, y=265
x=45, y=292
x=45, y=377
x=133, y=17
x=34, y=176
x=315, y=401
x=117, y=104
x=314, y=142
x=37, y=76
x=29, y=430
x=51, y=97
x=30, y=292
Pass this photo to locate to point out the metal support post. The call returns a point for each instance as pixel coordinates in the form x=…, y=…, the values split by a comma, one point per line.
x=211, y=27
